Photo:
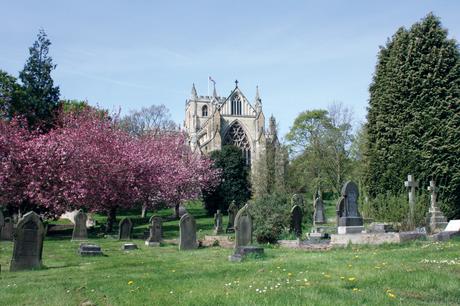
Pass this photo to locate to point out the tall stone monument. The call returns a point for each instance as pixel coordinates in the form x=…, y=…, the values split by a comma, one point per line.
x=2, y=222
x=218, y=223
x=187, y=238
x=319, y=216
x=243, y=235
x=28, y=243
x=436, y=218
x=349, y=218
x=79, y=229
x=296, y=220
x=232, y=211
x=155, y=230
x=125, y=229
x=8, y=230
x=411, y=184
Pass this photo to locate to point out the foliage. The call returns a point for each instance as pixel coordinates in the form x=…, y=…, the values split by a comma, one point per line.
x=153, y=119
x=234, y=184
x=90, y=163
x=41, y=98
x=320, y=142
x=270, y=215
x=395, y=208
x=270, y=170
x=414, y=111
x=10, y=94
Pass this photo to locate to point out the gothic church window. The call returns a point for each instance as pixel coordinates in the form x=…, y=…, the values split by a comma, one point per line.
x=237, y=137
x=204, y=111
x=236, y=105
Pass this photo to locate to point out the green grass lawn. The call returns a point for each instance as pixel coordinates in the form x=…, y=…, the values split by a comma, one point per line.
x=409, y=274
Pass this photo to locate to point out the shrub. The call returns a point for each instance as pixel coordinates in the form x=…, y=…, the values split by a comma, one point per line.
x=270, y=216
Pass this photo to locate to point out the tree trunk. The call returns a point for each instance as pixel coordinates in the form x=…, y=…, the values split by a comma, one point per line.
x=144, y=211
x=176, y=209
x=111, y=217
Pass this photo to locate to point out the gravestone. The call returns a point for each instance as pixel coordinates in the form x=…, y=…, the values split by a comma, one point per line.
x=8, y=230
x=125, y=229
x=187, y=239
x=79, y=229
x=319, y=216
x=243, y=235
x=453, y=226
x=232, y=211
x=87, y=249
x=437, y=221
x=349, y=218
x=297, y=199
x=218, y=223
x=296, y=220
x=155, y=232
x=411, y=183
x=28, y=243
x=129, y=247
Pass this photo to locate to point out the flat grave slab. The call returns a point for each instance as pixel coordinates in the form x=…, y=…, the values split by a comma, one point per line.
x=87, y=249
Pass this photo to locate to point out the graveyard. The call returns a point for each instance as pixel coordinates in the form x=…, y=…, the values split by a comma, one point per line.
x=230, y=153
x=410, y=273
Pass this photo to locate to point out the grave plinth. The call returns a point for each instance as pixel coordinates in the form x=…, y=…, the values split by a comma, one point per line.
x=87, y=249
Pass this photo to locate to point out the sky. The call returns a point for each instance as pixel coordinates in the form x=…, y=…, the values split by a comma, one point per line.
x=131, y=54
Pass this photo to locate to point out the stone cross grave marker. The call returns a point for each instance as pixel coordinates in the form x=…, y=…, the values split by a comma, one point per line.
x=218, y=223
x=232, y=211
x=437, y=220
x=187, y=238
x=412, y=184
x=79, y=229
x=243, y=227
x=8, y=230
x=28, y=243
x=155, y=230
x=319, y=216
x=125, y=229
x=296, y=220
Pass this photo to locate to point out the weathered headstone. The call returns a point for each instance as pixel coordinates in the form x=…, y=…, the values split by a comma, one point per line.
x=339, y=209
x=437, y=221
x=8, y=230
x=79, y=229
x=187, y=239
x=411, y=183
x=349, y=218
x=129, y=246
x=155, y=231
x=125, y=229
x=218, y=223
x=28, y=243
x=87, y=249
x=296, y=220
x=318, y=216
x=243, y=235
x=232, y=211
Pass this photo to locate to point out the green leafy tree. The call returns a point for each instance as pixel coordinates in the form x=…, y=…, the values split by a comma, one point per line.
x=10, y=94
x=41, y=97
x=414, y=113
x=234, y=183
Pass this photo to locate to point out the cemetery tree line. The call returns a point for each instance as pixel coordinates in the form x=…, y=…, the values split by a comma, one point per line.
x=414, y=113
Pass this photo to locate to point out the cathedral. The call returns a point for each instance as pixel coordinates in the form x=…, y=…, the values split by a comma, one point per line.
x=214, y=121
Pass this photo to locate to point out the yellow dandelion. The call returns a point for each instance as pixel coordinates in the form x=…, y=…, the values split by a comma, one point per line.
x=173, y=271
x=289, y=274
x=355, y=289
x=391, y=295
x=351, y=279
x=377, y=267
x=342, y=277
x=327, y=276
x=130, y=282
x=349, y=266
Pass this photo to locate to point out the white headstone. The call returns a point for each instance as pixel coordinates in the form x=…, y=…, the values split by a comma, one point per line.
x=453, y=226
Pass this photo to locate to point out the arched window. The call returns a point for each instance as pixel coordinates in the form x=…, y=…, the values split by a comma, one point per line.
x=204, y=111
x=237, y=137
x=236, y=105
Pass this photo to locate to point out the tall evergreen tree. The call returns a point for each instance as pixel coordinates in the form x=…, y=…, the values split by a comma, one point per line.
x=41, y=97
x=414, y=113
